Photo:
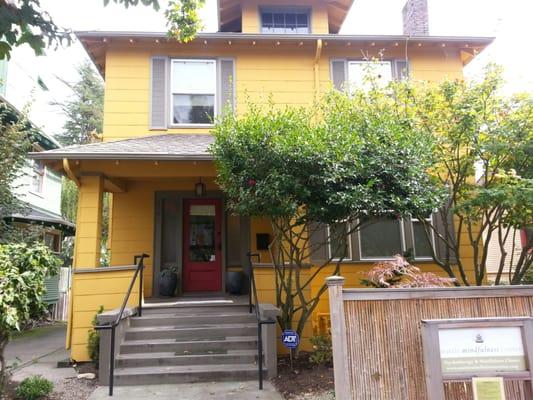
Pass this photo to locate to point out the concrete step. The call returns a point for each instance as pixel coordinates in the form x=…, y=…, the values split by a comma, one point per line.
x=169, y=359
x=160, y=319
x=192, y=346
x=192, y=308
x=193, y=332
x=185, y=374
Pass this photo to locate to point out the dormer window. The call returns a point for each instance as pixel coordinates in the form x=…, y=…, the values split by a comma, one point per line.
x=285, y=20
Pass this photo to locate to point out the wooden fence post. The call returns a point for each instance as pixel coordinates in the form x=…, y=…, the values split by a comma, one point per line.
x=338, y=337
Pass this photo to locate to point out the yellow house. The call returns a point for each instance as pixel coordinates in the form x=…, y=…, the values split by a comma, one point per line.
x=160, y=97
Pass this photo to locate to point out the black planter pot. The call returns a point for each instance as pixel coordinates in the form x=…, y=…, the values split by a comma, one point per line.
x=234, y=282
x=168, y=282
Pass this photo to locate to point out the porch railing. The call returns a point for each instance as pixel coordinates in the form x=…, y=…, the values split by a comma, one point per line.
x=254, y=303
x=139, y=262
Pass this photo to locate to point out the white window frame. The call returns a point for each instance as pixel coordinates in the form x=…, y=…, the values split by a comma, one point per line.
x=391, y=257
x=41, y=173
x=285, y=10
x=423, y=258
x=349, y=257
x=365, y=62
x=213, y=61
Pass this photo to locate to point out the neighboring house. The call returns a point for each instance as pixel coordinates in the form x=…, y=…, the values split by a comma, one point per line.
x=516, y=241
x=160, y=97
x=39, y=188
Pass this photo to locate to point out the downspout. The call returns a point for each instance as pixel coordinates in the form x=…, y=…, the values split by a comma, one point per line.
x=318, y=54
x=70, y=174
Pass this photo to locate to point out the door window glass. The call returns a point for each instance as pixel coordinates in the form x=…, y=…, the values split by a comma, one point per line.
x=202, y=233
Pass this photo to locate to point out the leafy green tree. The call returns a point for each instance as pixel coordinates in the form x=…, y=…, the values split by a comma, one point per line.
x=26, y=22
x=84, y=109
x=477, y=127
x=15, y=134
x=345, y=160
x=23, y=269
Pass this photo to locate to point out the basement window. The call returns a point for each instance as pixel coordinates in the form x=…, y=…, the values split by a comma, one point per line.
x=285, y=20
x=193, y=92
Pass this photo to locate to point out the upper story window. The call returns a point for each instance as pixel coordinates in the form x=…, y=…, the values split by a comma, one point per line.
x=37, y=179
x=193, y=91
x=359, y=70
x=285, y=20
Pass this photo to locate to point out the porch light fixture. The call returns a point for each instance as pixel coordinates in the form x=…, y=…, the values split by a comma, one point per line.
x=199, y=189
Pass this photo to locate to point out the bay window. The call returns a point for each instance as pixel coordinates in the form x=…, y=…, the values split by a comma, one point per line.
x=381, y=239
x=193, y=92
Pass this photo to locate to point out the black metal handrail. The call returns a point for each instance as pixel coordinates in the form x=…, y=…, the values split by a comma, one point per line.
x=254, y=302
x=139, y=261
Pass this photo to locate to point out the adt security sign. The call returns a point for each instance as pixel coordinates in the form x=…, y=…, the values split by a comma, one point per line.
x=290, y=339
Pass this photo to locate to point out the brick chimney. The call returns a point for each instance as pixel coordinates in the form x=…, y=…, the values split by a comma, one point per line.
x=415, y=18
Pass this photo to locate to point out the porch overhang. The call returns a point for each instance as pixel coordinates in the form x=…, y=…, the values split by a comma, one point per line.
x=151, y=156
x=174, y=147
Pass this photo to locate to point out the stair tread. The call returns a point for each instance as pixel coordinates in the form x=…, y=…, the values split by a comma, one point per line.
x=193, y=315
x=171, y=354
x=173, y=341
x=187, y=328
x=184, y=369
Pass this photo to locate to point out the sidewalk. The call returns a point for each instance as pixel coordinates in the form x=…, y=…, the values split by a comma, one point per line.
x=191, y=391
x=35, y=344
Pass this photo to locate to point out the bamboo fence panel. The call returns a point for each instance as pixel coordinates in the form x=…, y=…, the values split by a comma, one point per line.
x=384, y=343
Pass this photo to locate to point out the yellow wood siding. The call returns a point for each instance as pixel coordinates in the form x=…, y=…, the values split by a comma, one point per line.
x=90, y=291
x=285, y=72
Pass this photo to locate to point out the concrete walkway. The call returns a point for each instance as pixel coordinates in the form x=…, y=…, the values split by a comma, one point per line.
x=191, y=391
x=37, y=352
x=32, y=345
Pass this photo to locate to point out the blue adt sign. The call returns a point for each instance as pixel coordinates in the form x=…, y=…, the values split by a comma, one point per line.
x=290, y=339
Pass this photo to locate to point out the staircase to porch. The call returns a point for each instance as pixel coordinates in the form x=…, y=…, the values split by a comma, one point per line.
x=188, y=343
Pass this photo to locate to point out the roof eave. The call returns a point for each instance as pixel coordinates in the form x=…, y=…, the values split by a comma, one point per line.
x=119, y=156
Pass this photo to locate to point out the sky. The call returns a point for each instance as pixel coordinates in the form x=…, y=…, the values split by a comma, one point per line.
x=508, y=20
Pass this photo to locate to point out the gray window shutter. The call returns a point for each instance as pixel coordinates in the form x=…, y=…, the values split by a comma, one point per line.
x=401, y=70
x=159, y=93
x=319, y=237
x=227, y=84
x=338, y=73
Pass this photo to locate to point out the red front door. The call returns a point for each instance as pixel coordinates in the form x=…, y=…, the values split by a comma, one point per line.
x=202, y=245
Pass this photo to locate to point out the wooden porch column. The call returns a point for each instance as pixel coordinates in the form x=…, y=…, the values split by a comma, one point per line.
x=89, y=222
x=338, y=337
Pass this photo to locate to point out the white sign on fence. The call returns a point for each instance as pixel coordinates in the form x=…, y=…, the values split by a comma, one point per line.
x=483, y=349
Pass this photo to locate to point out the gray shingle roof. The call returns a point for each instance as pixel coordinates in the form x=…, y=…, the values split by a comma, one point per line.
x=157, y=147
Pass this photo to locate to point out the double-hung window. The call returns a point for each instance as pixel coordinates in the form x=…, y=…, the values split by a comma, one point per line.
x=38, y=176
x=381, y=239
x=359, y=71
x=340, y=247
x=422, y=245
x=285, y=20
x=193, y=92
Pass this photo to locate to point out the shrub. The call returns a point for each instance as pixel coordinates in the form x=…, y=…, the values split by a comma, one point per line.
x=323, y=353
x=34, y=388
x=399, y=273
x=93, y=344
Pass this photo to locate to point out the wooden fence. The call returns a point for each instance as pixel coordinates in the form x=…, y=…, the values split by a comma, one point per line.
x=377, y=340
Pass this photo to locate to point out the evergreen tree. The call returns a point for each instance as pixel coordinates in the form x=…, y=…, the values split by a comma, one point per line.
x=84, y=109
